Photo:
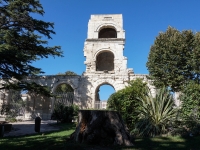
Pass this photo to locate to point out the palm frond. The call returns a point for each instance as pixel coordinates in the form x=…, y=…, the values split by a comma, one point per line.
x=156, y=113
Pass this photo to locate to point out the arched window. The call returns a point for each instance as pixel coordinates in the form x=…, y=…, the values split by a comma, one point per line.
x=64, y=88
x=107, y=33
x=64, y=94
x=105, y=61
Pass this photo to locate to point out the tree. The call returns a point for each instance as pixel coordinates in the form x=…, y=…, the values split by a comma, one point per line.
x=64, y=88
x=21, y=43
x=69, y=73
x=188, y=117
x=126, y=101
x=174, y=58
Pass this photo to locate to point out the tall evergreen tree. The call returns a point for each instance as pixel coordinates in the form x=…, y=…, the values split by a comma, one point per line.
x=174, y=58
x=21, y=42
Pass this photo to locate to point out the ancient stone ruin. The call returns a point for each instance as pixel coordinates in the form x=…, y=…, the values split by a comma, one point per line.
x=105, y=64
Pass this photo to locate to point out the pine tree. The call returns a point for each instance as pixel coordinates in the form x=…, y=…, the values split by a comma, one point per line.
x=21, y=42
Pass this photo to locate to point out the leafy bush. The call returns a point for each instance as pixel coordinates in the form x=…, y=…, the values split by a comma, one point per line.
x=185, y=127
x=10, y=119
x=188, y=121
x=126, y=101
x=15, y=106
x=190, y=99
x=64, y=113
x=12, y=109
x=156, y=114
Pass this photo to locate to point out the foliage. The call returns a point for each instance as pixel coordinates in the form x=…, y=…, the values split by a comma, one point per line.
x=15, y=106
x=64, y=88
x=189, y=114
x=21, y=42
x=60, y=140
x=190, y=99
x=174, y=58
x=64, y=94
x=69, y=73
x=10, y=119
x=185, y=127
x=64, y=113
x=156, y=114
x=126, y=101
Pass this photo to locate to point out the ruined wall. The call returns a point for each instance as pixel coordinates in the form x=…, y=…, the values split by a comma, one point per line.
x=105, y=64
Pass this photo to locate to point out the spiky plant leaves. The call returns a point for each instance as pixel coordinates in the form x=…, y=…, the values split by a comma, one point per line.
x=156, y=114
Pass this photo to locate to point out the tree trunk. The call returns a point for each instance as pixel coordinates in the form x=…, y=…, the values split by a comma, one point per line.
x=101, y=127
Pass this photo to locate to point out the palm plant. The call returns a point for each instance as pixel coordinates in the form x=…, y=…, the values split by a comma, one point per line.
x=156, y=113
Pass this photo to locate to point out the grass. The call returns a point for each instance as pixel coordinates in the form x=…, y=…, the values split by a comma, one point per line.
x=166, y=143
x=40, y=141
x=58, y=140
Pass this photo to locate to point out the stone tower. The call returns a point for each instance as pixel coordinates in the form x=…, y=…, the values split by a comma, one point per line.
x=103, y=49
x=104, y=45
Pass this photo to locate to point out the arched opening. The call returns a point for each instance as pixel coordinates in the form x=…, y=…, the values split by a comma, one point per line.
x=102, y=93
x=64, y=94
x=13, y=105
x=105, y=61
x=107, y=33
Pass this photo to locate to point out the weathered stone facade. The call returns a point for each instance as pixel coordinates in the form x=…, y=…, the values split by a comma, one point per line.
x=105, y=64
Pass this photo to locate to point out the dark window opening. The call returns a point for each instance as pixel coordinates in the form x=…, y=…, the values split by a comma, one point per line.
x=105, y=62
x=107, y=33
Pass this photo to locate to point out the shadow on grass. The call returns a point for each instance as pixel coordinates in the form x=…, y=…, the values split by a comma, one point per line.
x=60, y=140
x=166, y=143
x=158, y=143
x=47, y=140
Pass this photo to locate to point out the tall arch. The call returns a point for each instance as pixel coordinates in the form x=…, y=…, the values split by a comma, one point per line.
x=64, y=87
x=105, y=61
x=64, y=94
x=97, y=98
x=96, y=86
x=59, y=82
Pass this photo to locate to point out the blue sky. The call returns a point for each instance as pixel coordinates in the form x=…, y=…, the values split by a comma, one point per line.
x=143, y=20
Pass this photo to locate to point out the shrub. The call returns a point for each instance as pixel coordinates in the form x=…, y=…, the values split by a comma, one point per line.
x=190, y=99
x=157, y=113
x=64, y=114
x=189, y=113
x=186, y=127
x=15, y=106
x=126, y=102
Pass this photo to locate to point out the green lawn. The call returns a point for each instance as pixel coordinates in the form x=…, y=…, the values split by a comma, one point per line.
x=57, y=140
x=50, y=140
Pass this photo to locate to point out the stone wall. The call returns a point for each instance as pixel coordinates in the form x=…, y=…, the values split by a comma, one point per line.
x=109, y=68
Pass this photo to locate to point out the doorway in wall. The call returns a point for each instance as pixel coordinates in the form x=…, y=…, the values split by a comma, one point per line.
x=103, y=92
